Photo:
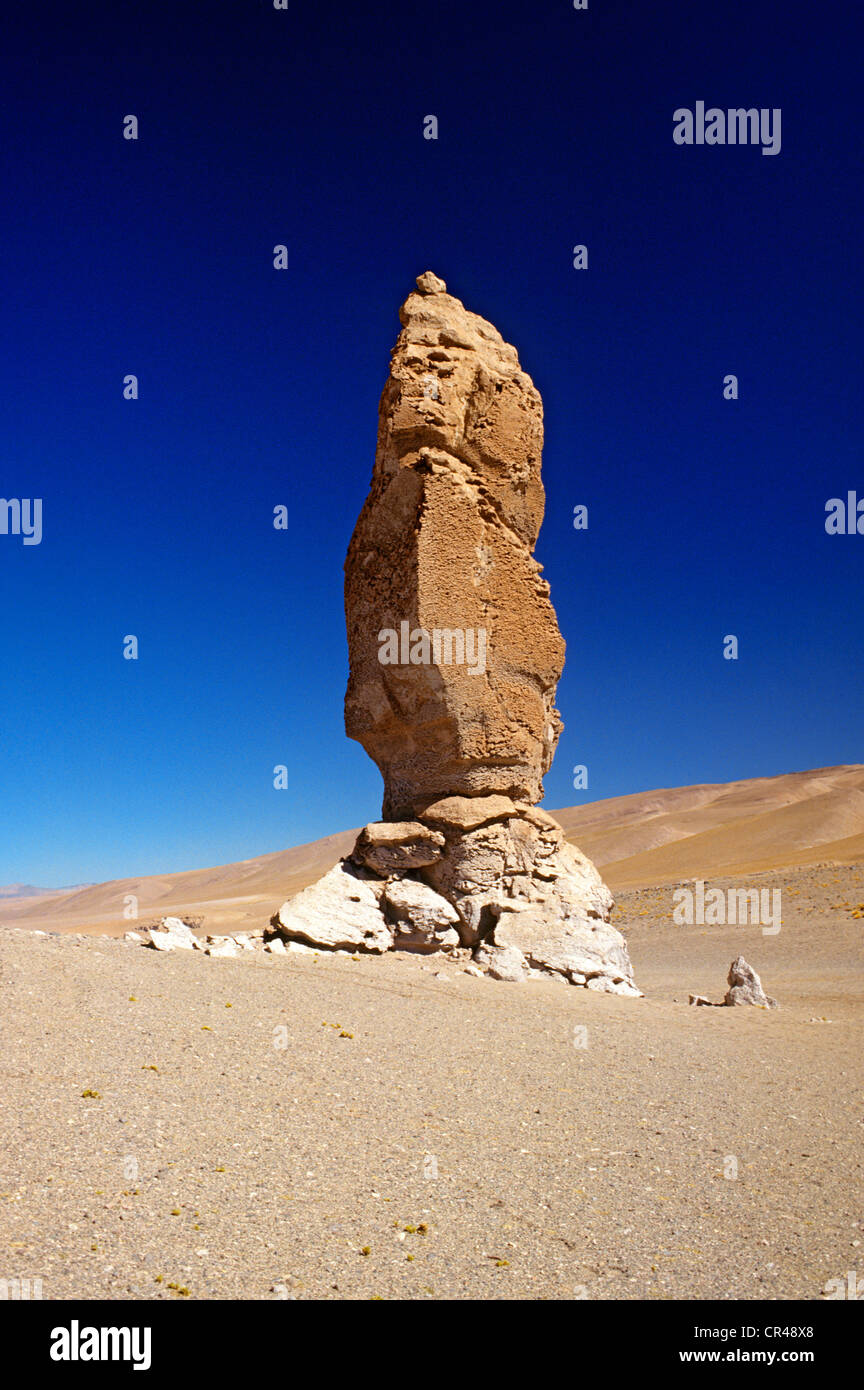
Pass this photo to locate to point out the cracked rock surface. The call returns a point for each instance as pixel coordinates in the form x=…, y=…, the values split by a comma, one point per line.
x=445, y=541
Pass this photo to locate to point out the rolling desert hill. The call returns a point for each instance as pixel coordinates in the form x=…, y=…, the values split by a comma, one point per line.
x=731, y=827
x=646, y=838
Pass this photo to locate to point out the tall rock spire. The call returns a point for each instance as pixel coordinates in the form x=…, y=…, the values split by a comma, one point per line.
x=445, y=544
x=455, y=655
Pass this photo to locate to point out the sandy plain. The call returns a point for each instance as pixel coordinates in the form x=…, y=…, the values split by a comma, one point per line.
x=322, y=1126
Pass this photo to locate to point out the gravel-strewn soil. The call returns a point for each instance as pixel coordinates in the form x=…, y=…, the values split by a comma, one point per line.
x=334, y=1128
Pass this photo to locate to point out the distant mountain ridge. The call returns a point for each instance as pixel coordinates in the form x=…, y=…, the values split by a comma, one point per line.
x=652, y=837
x=27, y=890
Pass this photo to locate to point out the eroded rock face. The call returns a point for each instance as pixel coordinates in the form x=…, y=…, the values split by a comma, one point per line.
x=455, y=654
x=468, y=812
x=502, y=962
x=421, y=919
x=339, y=912
x=444, y=544
x=397, y=846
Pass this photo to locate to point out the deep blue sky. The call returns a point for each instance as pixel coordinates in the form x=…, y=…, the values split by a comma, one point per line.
x=260, y=387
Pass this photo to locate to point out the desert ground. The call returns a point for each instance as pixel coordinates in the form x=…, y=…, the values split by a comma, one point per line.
x=327, y=1126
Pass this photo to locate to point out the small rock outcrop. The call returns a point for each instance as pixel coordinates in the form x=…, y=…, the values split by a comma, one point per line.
x=455, y=655
x=341, y=911
x=745, y=987
x=171, y=934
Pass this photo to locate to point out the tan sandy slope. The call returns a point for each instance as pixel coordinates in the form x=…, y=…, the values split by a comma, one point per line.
x=728, y=827
x=646, y=838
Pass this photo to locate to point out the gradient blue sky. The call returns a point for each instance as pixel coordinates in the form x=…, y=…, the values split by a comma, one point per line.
x=260, y=387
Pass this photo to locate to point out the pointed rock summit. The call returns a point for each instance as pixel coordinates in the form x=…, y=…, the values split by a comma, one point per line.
x=455, y=655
